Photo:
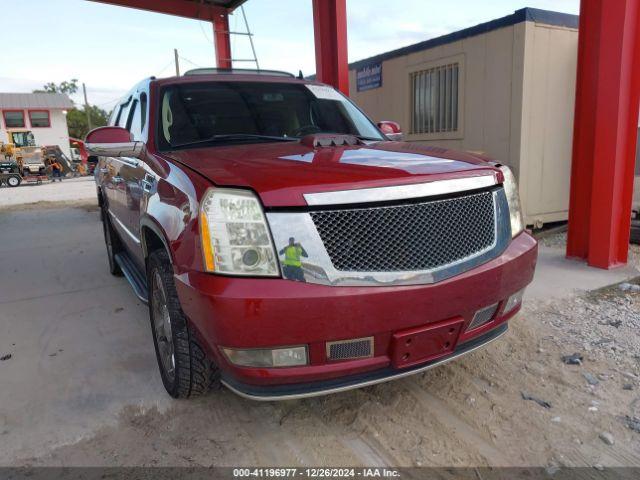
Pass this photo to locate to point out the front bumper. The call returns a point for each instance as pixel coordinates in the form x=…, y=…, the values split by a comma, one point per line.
x=342, y=384
x=267, y=313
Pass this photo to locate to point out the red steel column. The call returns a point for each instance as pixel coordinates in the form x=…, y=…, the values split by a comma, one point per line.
x=605, y=131
x=222, y=40
x=330, y=32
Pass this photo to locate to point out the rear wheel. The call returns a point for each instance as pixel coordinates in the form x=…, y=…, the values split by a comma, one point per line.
x=185, y=369
x=112, y=243
x=14, y=181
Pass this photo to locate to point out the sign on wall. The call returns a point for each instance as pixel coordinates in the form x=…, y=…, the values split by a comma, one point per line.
x=369, y=77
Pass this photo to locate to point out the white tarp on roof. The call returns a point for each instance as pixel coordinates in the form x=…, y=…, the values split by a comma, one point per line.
x=47, y=101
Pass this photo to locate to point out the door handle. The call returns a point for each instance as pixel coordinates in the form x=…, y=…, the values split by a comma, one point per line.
x=147, y=183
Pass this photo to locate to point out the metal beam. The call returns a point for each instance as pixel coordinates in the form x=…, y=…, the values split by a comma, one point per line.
x=222, y=40
x=605, y=131
x=180, y=8
x=330, y=32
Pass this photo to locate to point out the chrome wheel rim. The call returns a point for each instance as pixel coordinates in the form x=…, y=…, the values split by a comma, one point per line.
x=13, y=181
x=162, y=328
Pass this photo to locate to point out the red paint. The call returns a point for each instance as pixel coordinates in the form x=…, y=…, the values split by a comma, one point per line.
x=4, y=115
x=108, y=135
x=79, y=144
x=388, y=126
x=181, y=8
x=605, y=132
x=330, y=33
x=222, y=40
x=291, y=313
x=253, y=312
x=423, y=344
x=48, y=125
x=282, y=182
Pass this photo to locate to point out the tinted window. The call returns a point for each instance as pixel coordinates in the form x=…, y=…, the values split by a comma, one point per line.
x=143, y=110
x=39, y=118
x=198, y=111
x=123, y=114
x=136, y=115
x=14, y=119
x=132, y=112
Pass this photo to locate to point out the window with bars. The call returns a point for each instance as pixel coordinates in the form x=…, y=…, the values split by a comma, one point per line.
x=435, y=99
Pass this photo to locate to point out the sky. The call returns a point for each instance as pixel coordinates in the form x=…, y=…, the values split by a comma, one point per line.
x=111, y=48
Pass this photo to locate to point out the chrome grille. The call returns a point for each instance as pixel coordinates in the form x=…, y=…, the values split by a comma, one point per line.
x=483, y=316
x=344, y=349
x=407, y=237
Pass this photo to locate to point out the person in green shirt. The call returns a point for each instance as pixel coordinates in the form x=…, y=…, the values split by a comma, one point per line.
x=292, y=264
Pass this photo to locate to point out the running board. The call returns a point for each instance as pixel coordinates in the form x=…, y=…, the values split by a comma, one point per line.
x=132, y=274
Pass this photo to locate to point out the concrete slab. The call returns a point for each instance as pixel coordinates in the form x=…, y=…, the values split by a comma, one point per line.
x=69, y=190
x=556, y=276
x=80, y=341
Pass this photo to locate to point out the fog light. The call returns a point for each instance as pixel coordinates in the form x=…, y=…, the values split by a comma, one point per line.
x=263, y=357
x=513, y=301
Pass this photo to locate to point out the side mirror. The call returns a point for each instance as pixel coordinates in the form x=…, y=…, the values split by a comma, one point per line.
x=391, y=130
x=112, y=142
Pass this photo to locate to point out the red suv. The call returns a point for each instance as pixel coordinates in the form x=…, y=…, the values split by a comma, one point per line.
x=288, y=247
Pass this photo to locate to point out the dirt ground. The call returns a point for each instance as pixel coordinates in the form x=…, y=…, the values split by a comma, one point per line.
x=470, y=412
x=467, y=413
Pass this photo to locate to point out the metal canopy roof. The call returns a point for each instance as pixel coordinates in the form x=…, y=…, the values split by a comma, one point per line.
x=228, y=4
x=196, y=9
x=50, y=101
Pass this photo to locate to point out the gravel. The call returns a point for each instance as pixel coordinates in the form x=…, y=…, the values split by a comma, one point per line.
x=607, y=438
x=574, y=359
x=591, y=379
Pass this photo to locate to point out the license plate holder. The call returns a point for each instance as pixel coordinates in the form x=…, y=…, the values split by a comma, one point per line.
x=422, y=344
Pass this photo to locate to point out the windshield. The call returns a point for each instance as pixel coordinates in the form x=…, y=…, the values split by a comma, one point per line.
x=23, y=139
x=200, y=111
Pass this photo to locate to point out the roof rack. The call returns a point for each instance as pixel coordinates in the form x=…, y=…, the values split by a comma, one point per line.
x=230, y=71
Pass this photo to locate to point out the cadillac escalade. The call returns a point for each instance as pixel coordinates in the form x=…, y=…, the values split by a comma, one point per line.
x=288, y=246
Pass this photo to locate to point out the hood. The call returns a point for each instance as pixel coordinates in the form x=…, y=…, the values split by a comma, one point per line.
x=281, y=173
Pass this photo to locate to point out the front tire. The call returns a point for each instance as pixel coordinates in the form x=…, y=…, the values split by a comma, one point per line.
x=184, y=367
x=14, y=181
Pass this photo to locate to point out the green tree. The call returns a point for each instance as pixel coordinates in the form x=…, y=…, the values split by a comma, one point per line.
x=69, y=87
x=77, y=118
x=77, y=121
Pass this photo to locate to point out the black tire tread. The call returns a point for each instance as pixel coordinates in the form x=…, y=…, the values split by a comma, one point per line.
x=196, y=374
x=116, y=246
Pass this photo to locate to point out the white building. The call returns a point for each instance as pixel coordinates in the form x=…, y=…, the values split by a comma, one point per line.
x=44, y=114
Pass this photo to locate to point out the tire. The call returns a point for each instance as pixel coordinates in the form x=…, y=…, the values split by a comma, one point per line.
x=112, y=242
x=14, y=181
x=184, y=367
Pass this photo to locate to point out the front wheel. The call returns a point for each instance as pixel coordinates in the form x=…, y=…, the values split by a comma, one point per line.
x=185, y=368
x=14, y=181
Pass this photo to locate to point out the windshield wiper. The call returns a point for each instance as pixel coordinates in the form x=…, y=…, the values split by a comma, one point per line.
x=362, y=137
x=233, y=137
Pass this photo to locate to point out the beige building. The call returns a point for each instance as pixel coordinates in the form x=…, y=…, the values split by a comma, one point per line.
x=505, y=88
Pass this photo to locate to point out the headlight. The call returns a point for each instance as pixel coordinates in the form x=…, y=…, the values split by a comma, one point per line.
x=513, y=199
x=234, y=234
x=263, y=357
